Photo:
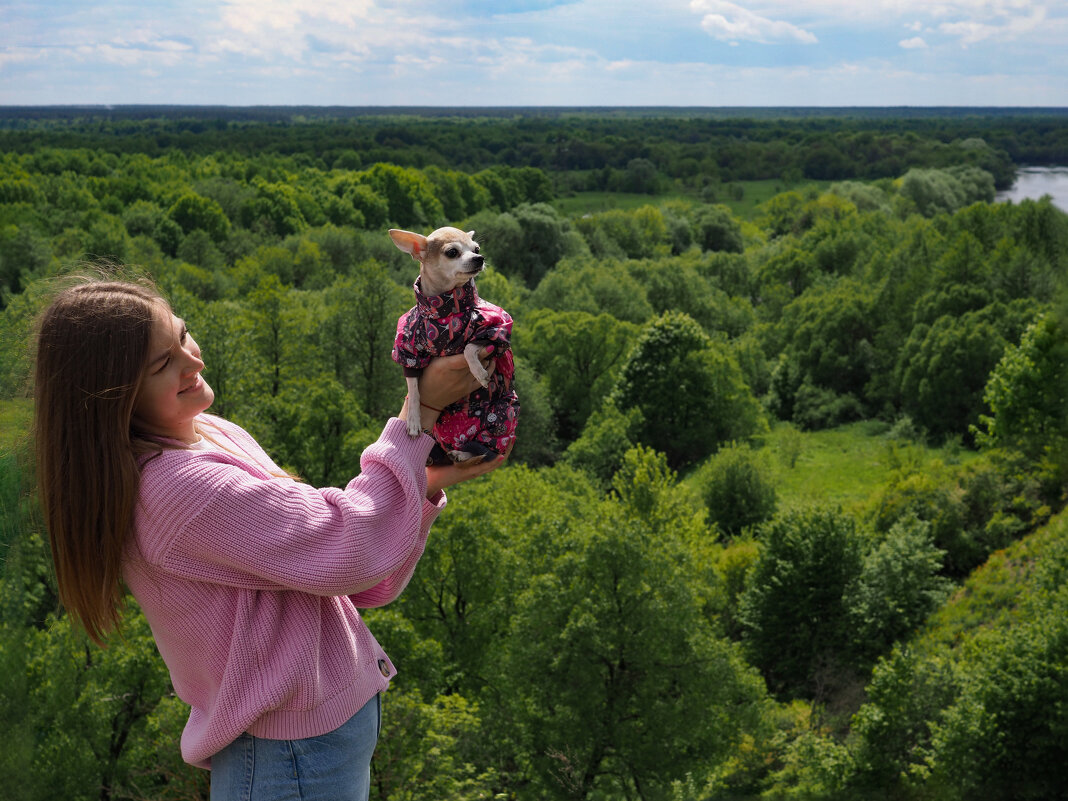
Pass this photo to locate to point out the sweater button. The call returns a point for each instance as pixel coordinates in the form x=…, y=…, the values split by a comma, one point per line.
x=383, y=666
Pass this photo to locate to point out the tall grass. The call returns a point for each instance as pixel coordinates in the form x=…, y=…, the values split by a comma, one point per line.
x=845, y=466
x=743, y=198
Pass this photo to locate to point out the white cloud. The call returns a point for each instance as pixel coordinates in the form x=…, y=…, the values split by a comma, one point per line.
x=730, y=23
x=973, y=32
x=255, y=16
x=599, y=52
x=269, y=28
x=882, y=9
x=17, y=55
x=970, y=21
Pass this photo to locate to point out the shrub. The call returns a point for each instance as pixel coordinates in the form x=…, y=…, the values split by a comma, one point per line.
x=898, y=586
x=737, y=489
x=793, y=615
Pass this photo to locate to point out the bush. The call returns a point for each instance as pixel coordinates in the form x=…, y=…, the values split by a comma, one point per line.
x=907, y=693
x=608, y=435
x=737, y=489
x=716, y=229
x=937, y=501
x=793, y=613
x=817, y=407
x=898, y=586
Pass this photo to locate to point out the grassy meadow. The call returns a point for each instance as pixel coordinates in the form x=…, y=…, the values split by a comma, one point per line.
x=744, y=201
x=16, y=417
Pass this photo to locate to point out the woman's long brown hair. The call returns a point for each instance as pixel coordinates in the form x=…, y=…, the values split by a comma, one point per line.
x=92, y=348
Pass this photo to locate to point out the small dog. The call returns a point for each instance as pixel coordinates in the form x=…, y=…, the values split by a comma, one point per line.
x=450, y=318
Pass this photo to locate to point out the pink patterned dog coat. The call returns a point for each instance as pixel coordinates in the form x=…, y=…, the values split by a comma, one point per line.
x=441, y=325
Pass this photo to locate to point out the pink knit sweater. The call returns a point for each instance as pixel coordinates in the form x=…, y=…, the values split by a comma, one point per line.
x=251, y=583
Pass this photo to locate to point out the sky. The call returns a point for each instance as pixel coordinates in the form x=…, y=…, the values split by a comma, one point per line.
x=535, y=52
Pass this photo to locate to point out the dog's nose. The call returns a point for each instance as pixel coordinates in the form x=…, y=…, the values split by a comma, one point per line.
x=477, y=260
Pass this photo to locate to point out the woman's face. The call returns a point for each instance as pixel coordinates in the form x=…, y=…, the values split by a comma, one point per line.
x=172, y=393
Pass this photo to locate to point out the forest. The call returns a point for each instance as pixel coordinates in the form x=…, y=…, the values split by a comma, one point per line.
x=785, y=518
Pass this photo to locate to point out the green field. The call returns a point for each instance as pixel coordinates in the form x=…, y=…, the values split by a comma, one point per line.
x=845, y=466
x=753, y=194
x=595, y=202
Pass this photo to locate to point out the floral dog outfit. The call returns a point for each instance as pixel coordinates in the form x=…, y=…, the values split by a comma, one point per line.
x=441, y=325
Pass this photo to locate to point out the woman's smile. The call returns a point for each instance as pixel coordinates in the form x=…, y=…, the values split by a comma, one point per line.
x=172, y=391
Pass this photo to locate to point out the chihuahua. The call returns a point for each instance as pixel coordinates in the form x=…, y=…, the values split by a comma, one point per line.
x=450, y=318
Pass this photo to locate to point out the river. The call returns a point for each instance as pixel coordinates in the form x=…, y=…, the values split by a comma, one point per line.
x=1034, y=182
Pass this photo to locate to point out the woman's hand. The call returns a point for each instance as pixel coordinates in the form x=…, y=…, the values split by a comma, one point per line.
x=445, y=380
x=440, y=476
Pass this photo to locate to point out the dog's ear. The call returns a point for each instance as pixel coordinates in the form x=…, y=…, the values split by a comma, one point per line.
x=471, y=234
x=412, y=244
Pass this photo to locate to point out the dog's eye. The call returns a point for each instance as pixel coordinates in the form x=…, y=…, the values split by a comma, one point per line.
x=477, y=249
x=452, y=253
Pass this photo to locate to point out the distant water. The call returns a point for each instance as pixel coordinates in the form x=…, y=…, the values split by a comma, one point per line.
x=1034, y=182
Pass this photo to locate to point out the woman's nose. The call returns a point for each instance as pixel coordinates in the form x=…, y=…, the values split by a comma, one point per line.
x=194, y=364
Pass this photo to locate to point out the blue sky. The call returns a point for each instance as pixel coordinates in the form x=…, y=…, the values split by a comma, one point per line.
x=536, y=52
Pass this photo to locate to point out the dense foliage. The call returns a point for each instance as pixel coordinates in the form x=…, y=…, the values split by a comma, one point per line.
x=637, y=606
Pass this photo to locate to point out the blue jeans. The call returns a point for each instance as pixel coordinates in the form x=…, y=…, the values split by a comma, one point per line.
x=333, y=767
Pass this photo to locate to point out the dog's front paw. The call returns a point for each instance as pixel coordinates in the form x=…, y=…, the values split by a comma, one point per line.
x=414, y=429
x=482, y=375
x=465, y=459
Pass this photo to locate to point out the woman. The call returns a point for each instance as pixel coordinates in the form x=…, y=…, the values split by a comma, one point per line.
x=249, y=579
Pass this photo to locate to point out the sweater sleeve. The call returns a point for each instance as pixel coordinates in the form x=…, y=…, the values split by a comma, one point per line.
x=211, y=518
x=390, y=588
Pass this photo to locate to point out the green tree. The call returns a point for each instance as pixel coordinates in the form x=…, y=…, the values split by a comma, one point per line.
x=737, y=489
x=689, y=389
x=425, y=747
x=943, y=368
x=579, y=354
x=320, y=431
x=274, y=210
x=482, y=552
x=617, y=233
x=795, y=621
x=908, y=691
x=17, y=325
x=536, y=441
x=409, y=194
x=193, y=212
x=607, y=436
x=222, y=329
x=526, y=242
x=24, y=256
x=603, y=287
x=641, y=177
x=609, y=648
x=898, y=586
x=715, y=228
x=106, y=239
x=1027, y=393
x=89, y=706
x=680, y=284
x=935, y=191
x=356, y=335
x=829, y=332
